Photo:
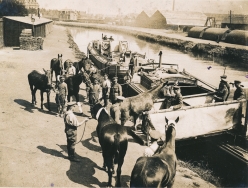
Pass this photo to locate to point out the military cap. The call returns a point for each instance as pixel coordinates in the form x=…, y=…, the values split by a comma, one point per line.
x=175, y=87
x=223, y=76
x=61, y=76
x=237, y=82
x=155, y=134
x=120, y=98
x=115, y=77
x=70, y=104
x=105, y=74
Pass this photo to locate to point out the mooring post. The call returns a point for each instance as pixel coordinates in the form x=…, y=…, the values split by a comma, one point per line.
x=160, y=59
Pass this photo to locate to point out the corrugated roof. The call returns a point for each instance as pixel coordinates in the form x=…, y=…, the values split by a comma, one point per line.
x=184, y=18
x=27, y=19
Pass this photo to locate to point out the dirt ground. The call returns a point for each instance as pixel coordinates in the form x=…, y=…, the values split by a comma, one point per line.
x=33, y=143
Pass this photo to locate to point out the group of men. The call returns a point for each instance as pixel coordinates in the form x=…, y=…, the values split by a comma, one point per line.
x=223, y=91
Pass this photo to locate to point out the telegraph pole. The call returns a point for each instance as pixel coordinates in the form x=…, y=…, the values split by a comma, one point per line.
x=230, y=16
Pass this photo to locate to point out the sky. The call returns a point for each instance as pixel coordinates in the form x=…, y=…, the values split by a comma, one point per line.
x=136, y=6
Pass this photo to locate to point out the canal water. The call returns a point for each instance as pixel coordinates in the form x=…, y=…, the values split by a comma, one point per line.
x=204, y=67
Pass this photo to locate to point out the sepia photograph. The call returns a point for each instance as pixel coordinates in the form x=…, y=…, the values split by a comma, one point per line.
x=114, y=93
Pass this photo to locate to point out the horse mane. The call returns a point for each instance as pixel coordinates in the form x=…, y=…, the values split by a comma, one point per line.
x=168, y=133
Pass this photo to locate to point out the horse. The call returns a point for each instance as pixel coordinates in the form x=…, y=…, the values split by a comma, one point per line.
x=43, y=83
x=160, y=169
x=73, y=84
x=113, y=139
x=56, y=65
x=134, y=106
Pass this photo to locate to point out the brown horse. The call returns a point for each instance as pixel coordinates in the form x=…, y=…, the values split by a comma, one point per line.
x=73, y=84
x=56, y=65
x=43, y=83
x=160, y=169
x=135, y=105
x=113, y=140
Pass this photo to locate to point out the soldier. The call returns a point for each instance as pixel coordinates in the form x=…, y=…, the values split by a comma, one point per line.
x=131, y=66
x=222, y=93
x=239, y=92
x=177, y=100
x=223, y=80
x=94, y=93
x=115, y=112
x=61, y=93
x=71, y=124
x=115, y=90
x=106, y=84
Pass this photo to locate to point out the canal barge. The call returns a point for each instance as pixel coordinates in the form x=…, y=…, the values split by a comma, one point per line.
x=113, y=57
x=200, y=116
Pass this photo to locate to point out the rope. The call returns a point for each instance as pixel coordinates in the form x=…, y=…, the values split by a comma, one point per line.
x=82, y=134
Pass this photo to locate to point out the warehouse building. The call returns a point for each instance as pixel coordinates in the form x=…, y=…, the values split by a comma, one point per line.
x=164, y=19
x=13, y=26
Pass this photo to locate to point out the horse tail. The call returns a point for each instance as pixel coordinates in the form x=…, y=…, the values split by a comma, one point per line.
x=117, y=138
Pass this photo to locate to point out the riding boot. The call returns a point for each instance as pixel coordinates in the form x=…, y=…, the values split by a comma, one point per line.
x=72, y=156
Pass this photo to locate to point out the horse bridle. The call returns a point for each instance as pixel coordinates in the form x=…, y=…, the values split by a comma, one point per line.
x=99, y=112
x=170, y=123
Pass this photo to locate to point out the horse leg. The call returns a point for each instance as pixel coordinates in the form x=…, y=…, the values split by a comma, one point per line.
x=34, y=96
x=118, y=171
x=110, y=163
x=78, y=103
x=41, y=100
x=51, y=75
x=31, y=88
x=68, y=97
x=48, y=100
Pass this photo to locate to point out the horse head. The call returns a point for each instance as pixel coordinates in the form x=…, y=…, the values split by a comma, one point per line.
x=170, y=129
x=60, y=61
x=48, y=77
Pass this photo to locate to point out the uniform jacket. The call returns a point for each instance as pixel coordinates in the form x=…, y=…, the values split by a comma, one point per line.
x=239, y=94
x=116, y=90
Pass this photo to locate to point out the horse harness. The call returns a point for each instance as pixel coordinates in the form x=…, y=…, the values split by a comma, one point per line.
x=99, y=112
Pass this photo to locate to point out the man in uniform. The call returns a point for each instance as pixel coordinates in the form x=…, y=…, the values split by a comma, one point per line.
x=239, y=92
x=223, y=81
x=106, y=84
x=177, y=100
x=131, y=66
x=222, y=93
x=71, y=124
x=115, y=90
x=61, y=93
x=94, y=93
x=115, y=111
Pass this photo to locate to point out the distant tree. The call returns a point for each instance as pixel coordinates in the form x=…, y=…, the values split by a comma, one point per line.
x=32, y=11
x=12, y=8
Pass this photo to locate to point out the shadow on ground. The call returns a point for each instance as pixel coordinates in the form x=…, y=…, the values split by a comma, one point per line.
x=27, y=106
x=79, y=172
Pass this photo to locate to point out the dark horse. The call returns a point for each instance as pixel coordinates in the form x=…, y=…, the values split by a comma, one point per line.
x=56, y=66
x=43, y=83
x=113, y=140
x=73, y=84
x=160, y=169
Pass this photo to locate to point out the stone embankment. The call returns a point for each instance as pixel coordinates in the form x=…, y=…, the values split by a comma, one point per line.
x=175, y=40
